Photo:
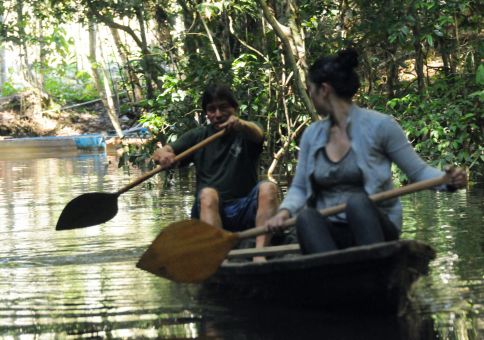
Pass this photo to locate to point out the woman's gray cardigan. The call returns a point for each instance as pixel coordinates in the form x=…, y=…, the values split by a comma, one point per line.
x=377, y=140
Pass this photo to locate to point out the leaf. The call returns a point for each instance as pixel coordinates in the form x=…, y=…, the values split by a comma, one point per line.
x=479, y=94
x=480, y=75
x=438, y=33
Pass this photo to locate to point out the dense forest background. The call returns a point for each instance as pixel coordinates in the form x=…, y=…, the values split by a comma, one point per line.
x=149, y=61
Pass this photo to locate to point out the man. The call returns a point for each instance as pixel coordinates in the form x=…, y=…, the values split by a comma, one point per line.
x=228, y=194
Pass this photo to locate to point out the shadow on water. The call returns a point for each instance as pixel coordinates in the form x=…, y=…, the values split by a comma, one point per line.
x=264, y=322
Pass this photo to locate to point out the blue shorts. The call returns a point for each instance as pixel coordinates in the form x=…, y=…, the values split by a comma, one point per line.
x=237, y=215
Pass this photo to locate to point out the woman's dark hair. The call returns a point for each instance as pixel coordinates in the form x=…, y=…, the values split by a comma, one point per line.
x=215, y=92
x=339, y=71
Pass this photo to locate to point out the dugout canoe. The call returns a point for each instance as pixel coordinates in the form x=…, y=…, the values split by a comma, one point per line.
x=376, y=278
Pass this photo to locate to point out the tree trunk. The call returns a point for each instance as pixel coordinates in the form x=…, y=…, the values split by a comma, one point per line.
x=35, y=107
x=392, y=72
x=104, y=91
x=343, y=8
x=149, y=68
x=370, y=71
x=419, y=55
x=282, y=33
x=297, y=38
x=210, y=39
x=150, y=73
x=189, y=16
x=444, y=55
x=137, y=91
x=24, y=55
x=3, y=63
x=170, y=29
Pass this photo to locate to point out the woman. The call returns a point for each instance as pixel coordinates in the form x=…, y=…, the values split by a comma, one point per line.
x=346, y=158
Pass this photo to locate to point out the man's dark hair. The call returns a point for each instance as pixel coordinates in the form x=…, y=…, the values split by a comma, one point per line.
x=215, y=92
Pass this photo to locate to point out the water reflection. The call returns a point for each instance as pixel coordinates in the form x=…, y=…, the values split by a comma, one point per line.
x=281, y=323
x=84, y=283
x=453, y=292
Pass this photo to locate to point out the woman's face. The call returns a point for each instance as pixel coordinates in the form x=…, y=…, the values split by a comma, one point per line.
x=319, y=97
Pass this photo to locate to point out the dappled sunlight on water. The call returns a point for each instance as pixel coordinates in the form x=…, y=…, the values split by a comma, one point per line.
x=84, y=283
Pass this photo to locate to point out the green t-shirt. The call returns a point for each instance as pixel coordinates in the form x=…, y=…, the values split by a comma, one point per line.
x=228, y=164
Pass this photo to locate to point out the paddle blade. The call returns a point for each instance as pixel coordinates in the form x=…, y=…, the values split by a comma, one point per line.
x=187, y=251
x=88, y=210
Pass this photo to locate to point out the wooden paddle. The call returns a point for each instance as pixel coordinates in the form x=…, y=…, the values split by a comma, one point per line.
x=191, y=251
x=99, y=207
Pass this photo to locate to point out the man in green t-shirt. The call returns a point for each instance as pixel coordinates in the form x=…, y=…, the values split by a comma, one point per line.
x=228, y=194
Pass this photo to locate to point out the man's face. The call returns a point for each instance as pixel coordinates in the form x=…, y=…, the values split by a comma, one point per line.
x=219, y=111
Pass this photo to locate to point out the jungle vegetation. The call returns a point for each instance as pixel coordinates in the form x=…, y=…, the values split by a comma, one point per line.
x=420, y=61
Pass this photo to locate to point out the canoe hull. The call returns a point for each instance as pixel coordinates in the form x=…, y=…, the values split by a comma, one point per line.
x=373, y=278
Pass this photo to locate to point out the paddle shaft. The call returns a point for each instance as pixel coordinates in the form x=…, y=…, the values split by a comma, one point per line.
x=381, y=196
x=264, y=251
x=178, y=158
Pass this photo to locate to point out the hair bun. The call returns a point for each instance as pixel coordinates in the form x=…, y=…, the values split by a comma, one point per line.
x=348, y=58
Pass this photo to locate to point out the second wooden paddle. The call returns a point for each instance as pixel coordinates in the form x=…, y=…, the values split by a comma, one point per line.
x=191, y=251
x=99, y=207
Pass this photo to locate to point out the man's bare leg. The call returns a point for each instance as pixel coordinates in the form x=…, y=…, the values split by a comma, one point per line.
x=209, y=207
x=267, y=207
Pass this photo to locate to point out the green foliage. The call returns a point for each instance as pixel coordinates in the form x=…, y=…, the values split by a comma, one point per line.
x=249, y=77
x=8, y=89
x=172, y=112
x=66, y=85
x=480, y=75
x=57, y=46
x=138, y=155
x=244, y=7
x=445, y=126
x=444, y=121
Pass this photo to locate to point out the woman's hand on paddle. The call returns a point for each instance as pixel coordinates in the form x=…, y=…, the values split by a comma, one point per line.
x=458, y=177
x=276, y=222
x=164, y=156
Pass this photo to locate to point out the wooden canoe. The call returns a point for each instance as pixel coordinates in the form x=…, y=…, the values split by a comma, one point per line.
x=376, y=278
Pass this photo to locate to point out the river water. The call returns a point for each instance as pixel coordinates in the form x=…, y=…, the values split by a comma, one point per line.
x=83, y=283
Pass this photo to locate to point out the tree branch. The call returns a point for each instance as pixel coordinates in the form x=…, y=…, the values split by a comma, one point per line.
x=279, y=29
x=111, y=23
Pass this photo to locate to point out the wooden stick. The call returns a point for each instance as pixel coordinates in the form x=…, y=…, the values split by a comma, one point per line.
x=265, y=251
